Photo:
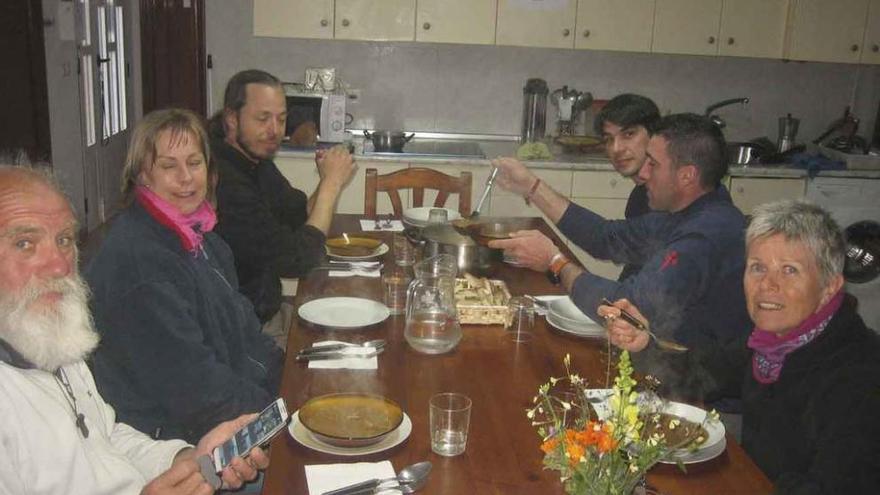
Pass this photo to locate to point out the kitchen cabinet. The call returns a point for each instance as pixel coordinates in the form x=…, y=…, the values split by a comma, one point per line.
x=753, y=28
x=871, y=42
x=749, y=192
x=826, y=30
x=302, y=174
x=686, y=27
x=294, y=18
x=456, y=21
x=539, y=23
x=623, y=25
x=375, y=20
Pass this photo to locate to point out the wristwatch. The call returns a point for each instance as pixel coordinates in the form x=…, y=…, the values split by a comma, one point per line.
x=557, y=263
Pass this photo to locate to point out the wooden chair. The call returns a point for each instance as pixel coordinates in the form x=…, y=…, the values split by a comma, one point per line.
x=417, y=179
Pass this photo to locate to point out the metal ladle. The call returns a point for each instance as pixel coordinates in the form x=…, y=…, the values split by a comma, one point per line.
x=410, y=479
x=666, y=345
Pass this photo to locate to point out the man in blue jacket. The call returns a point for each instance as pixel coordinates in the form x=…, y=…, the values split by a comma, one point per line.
x=690, y=248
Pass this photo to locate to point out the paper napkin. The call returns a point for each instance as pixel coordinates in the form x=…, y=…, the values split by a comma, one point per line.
x=356, y=362
x=392, y=226
x=325, y=477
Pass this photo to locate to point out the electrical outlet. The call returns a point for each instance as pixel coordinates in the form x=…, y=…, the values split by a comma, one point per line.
x=354, y=95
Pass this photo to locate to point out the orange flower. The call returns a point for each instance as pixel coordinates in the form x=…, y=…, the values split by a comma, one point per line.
x=550, y=445
x=606, y=443
x=574, y=452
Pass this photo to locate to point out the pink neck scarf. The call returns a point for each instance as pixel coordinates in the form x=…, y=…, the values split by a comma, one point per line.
x=189, y=228
x=771, y=349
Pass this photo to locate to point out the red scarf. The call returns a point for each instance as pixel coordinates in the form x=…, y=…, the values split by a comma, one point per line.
x=771, y=349
x=189, y=228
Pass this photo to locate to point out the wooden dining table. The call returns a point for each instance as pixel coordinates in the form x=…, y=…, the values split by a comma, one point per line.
x=499, y=375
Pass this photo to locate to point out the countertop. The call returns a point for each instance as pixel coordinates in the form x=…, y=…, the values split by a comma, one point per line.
x=562, y=161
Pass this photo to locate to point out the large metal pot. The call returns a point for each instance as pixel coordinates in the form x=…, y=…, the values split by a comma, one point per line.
x=744, y=153
x=470, y=256
x=388, y=141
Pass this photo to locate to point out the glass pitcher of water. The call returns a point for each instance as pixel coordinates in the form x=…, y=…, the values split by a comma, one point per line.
x=431, y=318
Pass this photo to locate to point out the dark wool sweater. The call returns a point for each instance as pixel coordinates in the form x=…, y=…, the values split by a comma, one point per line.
x=263, y=219
x=181, y=350
x=816, y=430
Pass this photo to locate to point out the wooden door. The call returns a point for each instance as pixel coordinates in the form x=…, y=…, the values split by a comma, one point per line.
x=456, y=21
x=536, y=23
x=173, y=54
x=294, y=18
x=623, y=25
x=753, y=28
x=687, y=27
x=24, y=121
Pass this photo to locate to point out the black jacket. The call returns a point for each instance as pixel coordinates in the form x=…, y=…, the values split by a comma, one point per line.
x=263, y=219
x=181, y=349
x=815, y=430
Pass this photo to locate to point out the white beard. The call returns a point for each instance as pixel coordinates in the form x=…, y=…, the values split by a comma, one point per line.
x=52, y=337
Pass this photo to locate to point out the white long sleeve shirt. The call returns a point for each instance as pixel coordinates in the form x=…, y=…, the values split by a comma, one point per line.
x=45, y=453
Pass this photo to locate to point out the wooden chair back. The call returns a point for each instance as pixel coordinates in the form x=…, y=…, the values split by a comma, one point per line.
x=417, y=179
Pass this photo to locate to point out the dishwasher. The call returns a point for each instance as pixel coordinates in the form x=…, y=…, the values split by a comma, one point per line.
x=855, y=204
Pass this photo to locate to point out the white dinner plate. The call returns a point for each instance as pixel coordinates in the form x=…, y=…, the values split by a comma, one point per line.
x=564, y=315
x=418, y=217
x=343, y=312
x=711, y=448
x=382, y=249
x=302, y=435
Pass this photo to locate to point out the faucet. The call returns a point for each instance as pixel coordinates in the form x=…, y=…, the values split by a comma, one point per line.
x=723, y=103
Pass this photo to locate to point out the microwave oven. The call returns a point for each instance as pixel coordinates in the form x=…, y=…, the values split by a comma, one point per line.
x=325, y=111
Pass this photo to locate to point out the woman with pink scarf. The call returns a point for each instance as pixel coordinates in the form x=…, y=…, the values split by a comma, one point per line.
x=181, y=349
x=809, y=374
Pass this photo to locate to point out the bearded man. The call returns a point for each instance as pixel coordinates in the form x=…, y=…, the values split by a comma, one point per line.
x=58, y=434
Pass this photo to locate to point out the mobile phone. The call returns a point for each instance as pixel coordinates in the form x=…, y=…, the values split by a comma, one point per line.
x=256, y=433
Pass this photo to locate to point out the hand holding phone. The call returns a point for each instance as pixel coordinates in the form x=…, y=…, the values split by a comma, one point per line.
x=256, y=433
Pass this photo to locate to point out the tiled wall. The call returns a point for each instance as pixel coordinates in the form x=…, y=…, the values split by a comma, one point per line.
x=457, y=88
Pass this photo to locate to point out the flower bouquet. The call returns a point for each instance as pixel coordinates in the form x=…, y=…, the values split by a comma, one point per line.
x=598, y=456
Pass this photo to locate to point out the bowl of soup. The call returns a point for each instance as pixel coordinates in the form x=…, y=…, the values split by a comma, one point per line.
x=350, y=419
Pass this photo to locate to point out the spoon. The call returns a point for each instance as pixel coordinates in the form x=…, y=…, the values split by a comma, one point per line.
x=378, y=343
x=666, y=345
x=410, y=479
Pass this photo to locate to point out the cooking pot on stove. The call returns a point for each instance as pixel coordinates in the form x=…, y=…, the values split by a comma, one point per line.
x=443, y=238
x=388, y=141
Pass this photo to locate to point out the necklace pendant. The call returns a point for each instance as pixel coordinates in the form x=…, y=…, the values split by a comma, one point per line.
x=81, y=424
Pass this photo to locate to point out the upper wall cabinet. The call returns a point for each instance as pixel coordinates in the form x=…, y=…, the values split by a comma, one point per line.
x=456, y=21
x=536, y=23
x=686, y=26
x=753, y=28
x=871, y=44
x=375, y=20
x=294, y=18
x=826, y=30
x=623, y=25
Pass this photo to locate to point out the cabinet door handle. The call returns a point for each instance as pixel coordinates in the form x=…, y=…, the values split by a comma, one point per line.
x=324, y=22
x=741, y=190
x=613, y=182
x=345, y=23
x=566, y=32
x=730, y=41
x=854, y=48
x=711, y=40
x=875, y=48
x=586, y=33
x=426, y=26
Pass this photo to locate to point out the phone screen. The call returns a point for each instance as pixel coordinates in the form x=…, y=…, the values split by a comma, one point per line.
x=257, y=432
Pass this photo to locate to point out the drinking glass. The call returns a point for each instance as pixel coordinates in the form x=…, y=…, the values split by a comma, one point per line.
x=520, y=319
x=450, y=418
x=404, y=251
x=395, y=284
x=437, y=215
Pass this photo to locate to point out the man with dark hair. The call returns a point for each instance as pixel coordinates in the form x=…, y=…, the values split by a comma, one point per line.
x=690, y=248
x=274, y=230
x=625, y=123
